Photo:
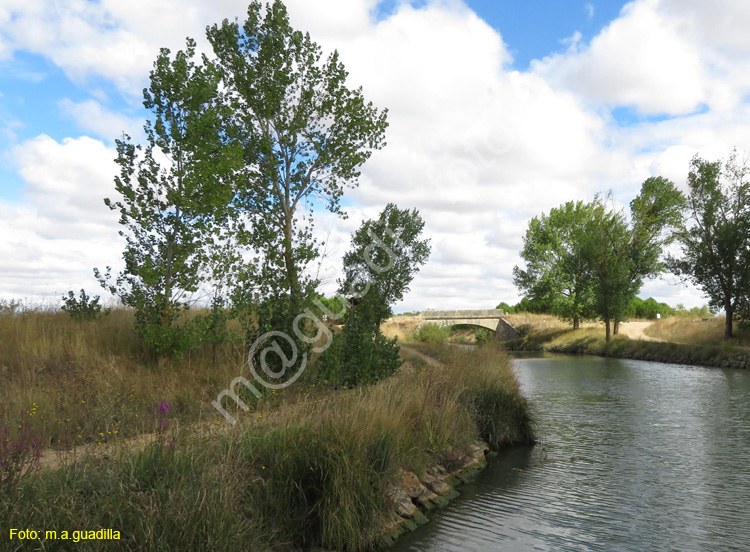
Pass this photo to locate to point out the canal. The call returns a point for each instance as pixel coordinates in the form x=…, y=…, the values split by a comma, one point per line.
x=633, y=456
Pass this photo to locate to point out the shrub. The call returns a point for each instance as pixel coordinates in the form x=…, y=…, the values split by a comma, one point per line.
x=429, y=332
x=484, y=336
x=360, y=355
x=83, y=308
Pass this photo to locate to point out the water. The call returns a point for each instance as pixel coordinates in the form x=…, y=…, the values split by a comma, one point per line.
x=634, y=456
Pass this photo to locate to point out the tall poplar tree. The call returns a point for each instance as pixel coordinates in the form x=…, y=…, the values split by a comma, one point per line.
x=305, y=135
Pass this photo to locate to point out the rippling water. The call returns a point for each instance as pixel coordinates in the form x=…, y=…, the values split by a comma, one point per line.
x=634, y=456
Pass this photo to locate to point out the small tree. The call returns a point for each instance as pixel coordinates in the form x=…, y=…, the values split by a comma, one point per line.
x=386, y=254
x=607, y=254
x=174, y=194
x=716, y=240
x=83, y=308
x=622, y=254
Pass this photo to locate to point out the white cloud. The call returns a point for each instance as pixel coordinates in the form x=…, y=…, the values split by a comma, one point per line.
x=63, y=229
x=476, y=147
x=93, y=117
x=640, y=60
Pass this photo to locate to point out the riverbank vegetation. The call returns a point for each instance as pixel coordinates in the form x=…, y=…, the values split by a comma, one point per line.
x=685, y=341
x=697, y=330
x=589, y=260
x=312, y=471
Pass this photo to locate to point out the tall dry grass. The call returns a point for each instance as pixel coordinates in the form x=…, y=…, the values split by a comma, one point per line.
x=315, y=474
x=69, y=382
x=696, y=331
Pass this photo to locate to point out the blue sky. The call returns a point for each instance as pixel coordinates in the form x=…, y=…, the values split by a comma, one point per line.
x=533, y=30
x=32, y=86
x=498, y=111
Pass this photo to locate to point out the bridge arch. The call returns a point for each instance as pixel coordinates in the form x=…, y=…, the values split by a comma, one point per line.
x=491, y=319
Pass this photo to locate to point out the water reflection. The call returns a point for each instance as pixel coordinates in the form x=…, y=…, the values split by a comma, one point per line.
x=635, y=456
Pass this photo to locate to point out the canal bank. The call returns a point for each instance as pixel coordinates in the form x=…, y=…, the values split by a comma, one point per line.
x=632, y=456
x=325, y=472
x=719, y=355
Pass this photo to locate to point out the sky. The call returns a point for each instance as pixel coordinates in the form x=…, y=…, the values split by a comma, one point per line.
x=498, y=111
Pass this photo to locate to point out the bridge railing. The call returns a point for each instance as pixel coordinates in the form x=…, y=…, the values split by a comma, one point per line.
x=462, y=314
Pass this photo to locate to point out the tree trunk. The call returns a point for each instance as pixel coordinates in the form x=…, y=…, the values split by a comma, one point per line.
x=609, y=334
x=729, y=312
x=291, y=269
x=576, y=323
x=616, y=329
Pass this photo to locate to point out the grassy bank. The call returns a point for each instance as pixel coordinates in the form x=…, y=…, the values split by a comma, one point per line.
x=309, y=472
x=686, y=341
x=67, y=383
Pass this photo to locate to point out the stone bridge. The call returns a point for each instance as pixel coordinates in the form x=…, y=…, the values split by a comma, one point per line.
x=492, y=319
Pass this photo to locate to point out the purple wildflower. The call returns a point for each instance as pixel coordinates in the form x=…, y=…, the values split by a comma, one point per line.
x=164, y=407
x=170, y=443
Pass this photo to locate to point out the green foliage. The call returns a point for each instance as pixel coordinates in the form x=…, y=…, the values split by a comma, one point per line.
x=557, y=275
x=534, y=306
x=505, y=307
x=173, y=197
x=585, y=260
x=607, y=253
x=716, y=240
x=359, y=355
x=430, y=332
x=695, y=312
x=648, y=308
x=385, y=256
x=334, y=305
x=484, y=336
x=212, y=327
x=305, y=135
x=83, y=308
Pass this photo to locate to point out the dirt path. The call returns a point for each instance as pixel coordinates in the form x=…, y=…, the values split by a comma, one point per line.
x=53, y=459
x=635, y=330
x=428, y=359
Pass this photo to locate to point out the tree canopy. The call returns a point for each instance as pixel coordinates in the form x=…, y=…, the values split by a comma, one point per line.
x=241, y=151
x=556, y=272
x=715, y=240
x=386, y=254
x=590, y=259
x=173, y=194
x=305, y=136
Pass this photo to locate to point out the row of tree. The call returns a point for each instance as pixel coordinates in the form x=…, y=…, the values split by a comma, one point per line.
x=589, y=260
x=639, y=308
x=241, y=150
